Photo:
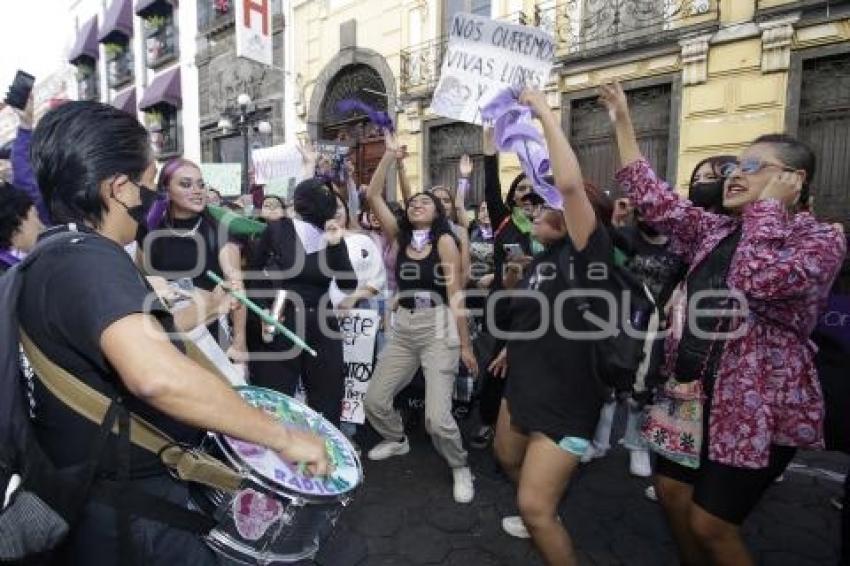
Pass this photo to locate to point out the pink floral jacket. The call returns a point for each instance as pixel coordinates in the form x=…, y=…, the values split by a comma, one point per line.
x=766, y=389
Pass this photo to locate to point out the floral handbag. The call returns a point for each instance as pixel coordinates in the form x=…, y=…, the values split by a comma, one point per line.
x=673, y=424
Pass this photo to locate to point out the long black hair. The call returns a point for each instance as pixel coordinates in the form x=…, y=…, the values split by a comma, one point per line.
x=315, y=202
x=439, y=226
x=509, y=198
x=76, y=147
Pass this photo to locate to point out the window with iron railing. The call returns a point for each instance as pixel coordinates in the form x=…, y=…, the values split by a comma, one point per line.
x=119, y=64
x=88, y=82
x=164, y=127
x=160, y=38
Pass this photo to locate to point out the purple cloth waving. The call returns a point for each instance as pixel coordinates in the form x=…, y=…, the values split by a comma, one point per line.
x=23, y=177
x=514, y=131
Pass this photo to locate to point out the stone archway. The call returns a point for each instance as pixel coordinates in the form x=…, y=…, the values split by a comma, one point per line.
x=348, y=58
x=354, y=73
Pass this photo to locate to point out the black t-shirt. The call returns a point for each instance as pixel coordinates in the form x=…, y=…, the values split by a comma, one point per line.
x=186, y=248
x=71, y=294
x=281, y=256
x=551, y=387
x=653, y=264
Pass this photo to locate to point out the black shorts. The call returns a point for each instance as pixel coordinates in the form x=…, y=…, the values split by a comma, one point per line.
x=728, y=492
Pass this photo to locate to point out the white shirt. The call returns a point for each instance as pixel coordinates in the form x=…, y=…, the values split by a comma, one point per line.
x=367, y=263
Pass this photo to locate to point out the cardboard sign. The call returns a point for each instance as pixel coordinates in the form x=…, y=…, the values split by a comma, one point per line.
x=359, y=328
x=484, y=57
x=226, y=178
x=254, y=30
x=277, y=164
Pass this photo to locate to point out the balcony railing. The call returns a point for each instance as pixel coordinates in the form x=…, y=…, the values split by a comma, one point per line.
x=591, y=27
x=214, y=15
x=581, y=28
x=421, y=65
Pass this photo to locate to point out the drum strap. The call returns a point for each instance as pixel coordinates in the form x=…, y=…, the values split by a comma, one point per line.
x=188, y=465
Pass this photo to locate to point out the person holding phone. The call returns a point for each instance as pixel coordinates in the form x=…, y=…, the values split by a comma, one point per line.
x=23, y=176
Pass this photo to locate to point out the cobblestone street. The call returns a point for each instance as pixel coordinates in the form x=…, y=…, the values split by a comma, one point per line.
x=405, y=514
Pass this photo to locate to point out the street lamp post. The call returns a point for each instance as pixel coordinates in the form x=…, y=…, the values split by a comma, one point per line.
x=247, y=120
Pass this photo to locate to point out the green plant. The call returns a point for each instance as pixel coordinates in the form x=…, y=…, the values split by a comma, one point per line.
x=153, y=118
x=84, y=71
x=155, y=21
x=114, y=50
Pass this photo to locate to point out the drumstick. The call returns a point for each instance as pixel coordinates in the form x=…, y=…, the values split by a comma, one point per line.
x=268, y=319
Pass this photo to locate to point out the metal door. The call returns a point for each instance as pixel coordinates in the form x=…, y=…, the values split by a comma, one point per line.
x=447, y=144
x=825, y=126
x=592, y=134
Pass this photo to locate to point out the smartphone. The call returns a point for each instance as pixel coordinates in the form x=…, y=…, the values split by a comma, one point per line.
x=19, y=93
x=513, y=250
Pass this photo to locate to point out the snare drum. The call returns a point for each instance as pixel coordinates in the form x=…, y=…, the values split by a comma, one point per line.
x=279, y=515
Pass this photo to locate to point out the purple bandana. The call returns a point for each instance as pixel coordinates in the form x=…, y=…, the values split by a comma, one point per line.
x=420, y=239
x=514, y=131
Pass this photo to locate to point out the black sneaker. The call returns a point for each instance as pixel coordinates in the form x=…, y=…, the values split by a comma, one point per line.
x=482, y=438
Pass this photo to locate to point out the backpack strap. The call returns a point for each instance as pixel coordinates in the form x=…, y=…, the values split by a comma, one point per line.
x=188, y=465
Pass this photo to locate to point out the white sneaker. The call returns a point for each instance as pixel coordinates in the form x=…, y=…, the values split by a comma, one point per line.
x=389, y=448
x=514, y=526
x=463, y=489
x=593, y=451
x=639, y=464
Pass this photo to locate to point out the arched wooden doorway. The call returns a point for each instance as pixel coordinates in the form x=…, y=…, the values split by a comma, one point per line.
x=353, y=129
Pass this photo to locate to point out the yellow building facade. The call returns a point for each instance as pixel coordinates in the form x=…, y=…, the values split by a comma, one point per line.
x=704, y=77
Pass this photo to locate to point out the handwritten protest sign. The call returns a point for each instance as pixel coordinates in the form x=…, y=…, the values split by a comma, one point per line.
x=226, y=178
x=359, y=327
x=278, y=163
x=484, y=57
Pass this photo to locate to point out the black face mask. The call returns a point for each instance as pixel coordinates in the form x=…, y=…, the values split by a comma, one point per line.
x=139, y=212
x=708, y=195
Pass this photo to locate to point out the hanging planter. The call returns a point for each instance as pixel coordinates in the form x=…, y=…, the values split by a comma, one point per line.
x=155, y=22
x=153, y=120
x=113, y=50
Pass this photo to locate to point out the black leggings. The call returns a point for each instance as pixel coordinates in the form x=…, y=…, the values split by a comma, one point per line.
x=323, y=376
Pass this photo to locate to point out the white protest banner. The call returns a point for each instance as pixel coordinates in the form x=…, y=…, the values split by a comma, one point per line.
x=277, y=163
x=253, y=20
x=226, y=178
x=484, y=57
x=358, y=327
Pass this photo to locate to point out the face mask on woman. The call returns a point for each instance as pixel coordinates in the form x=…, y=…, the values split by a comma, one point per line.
x=707, y=195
